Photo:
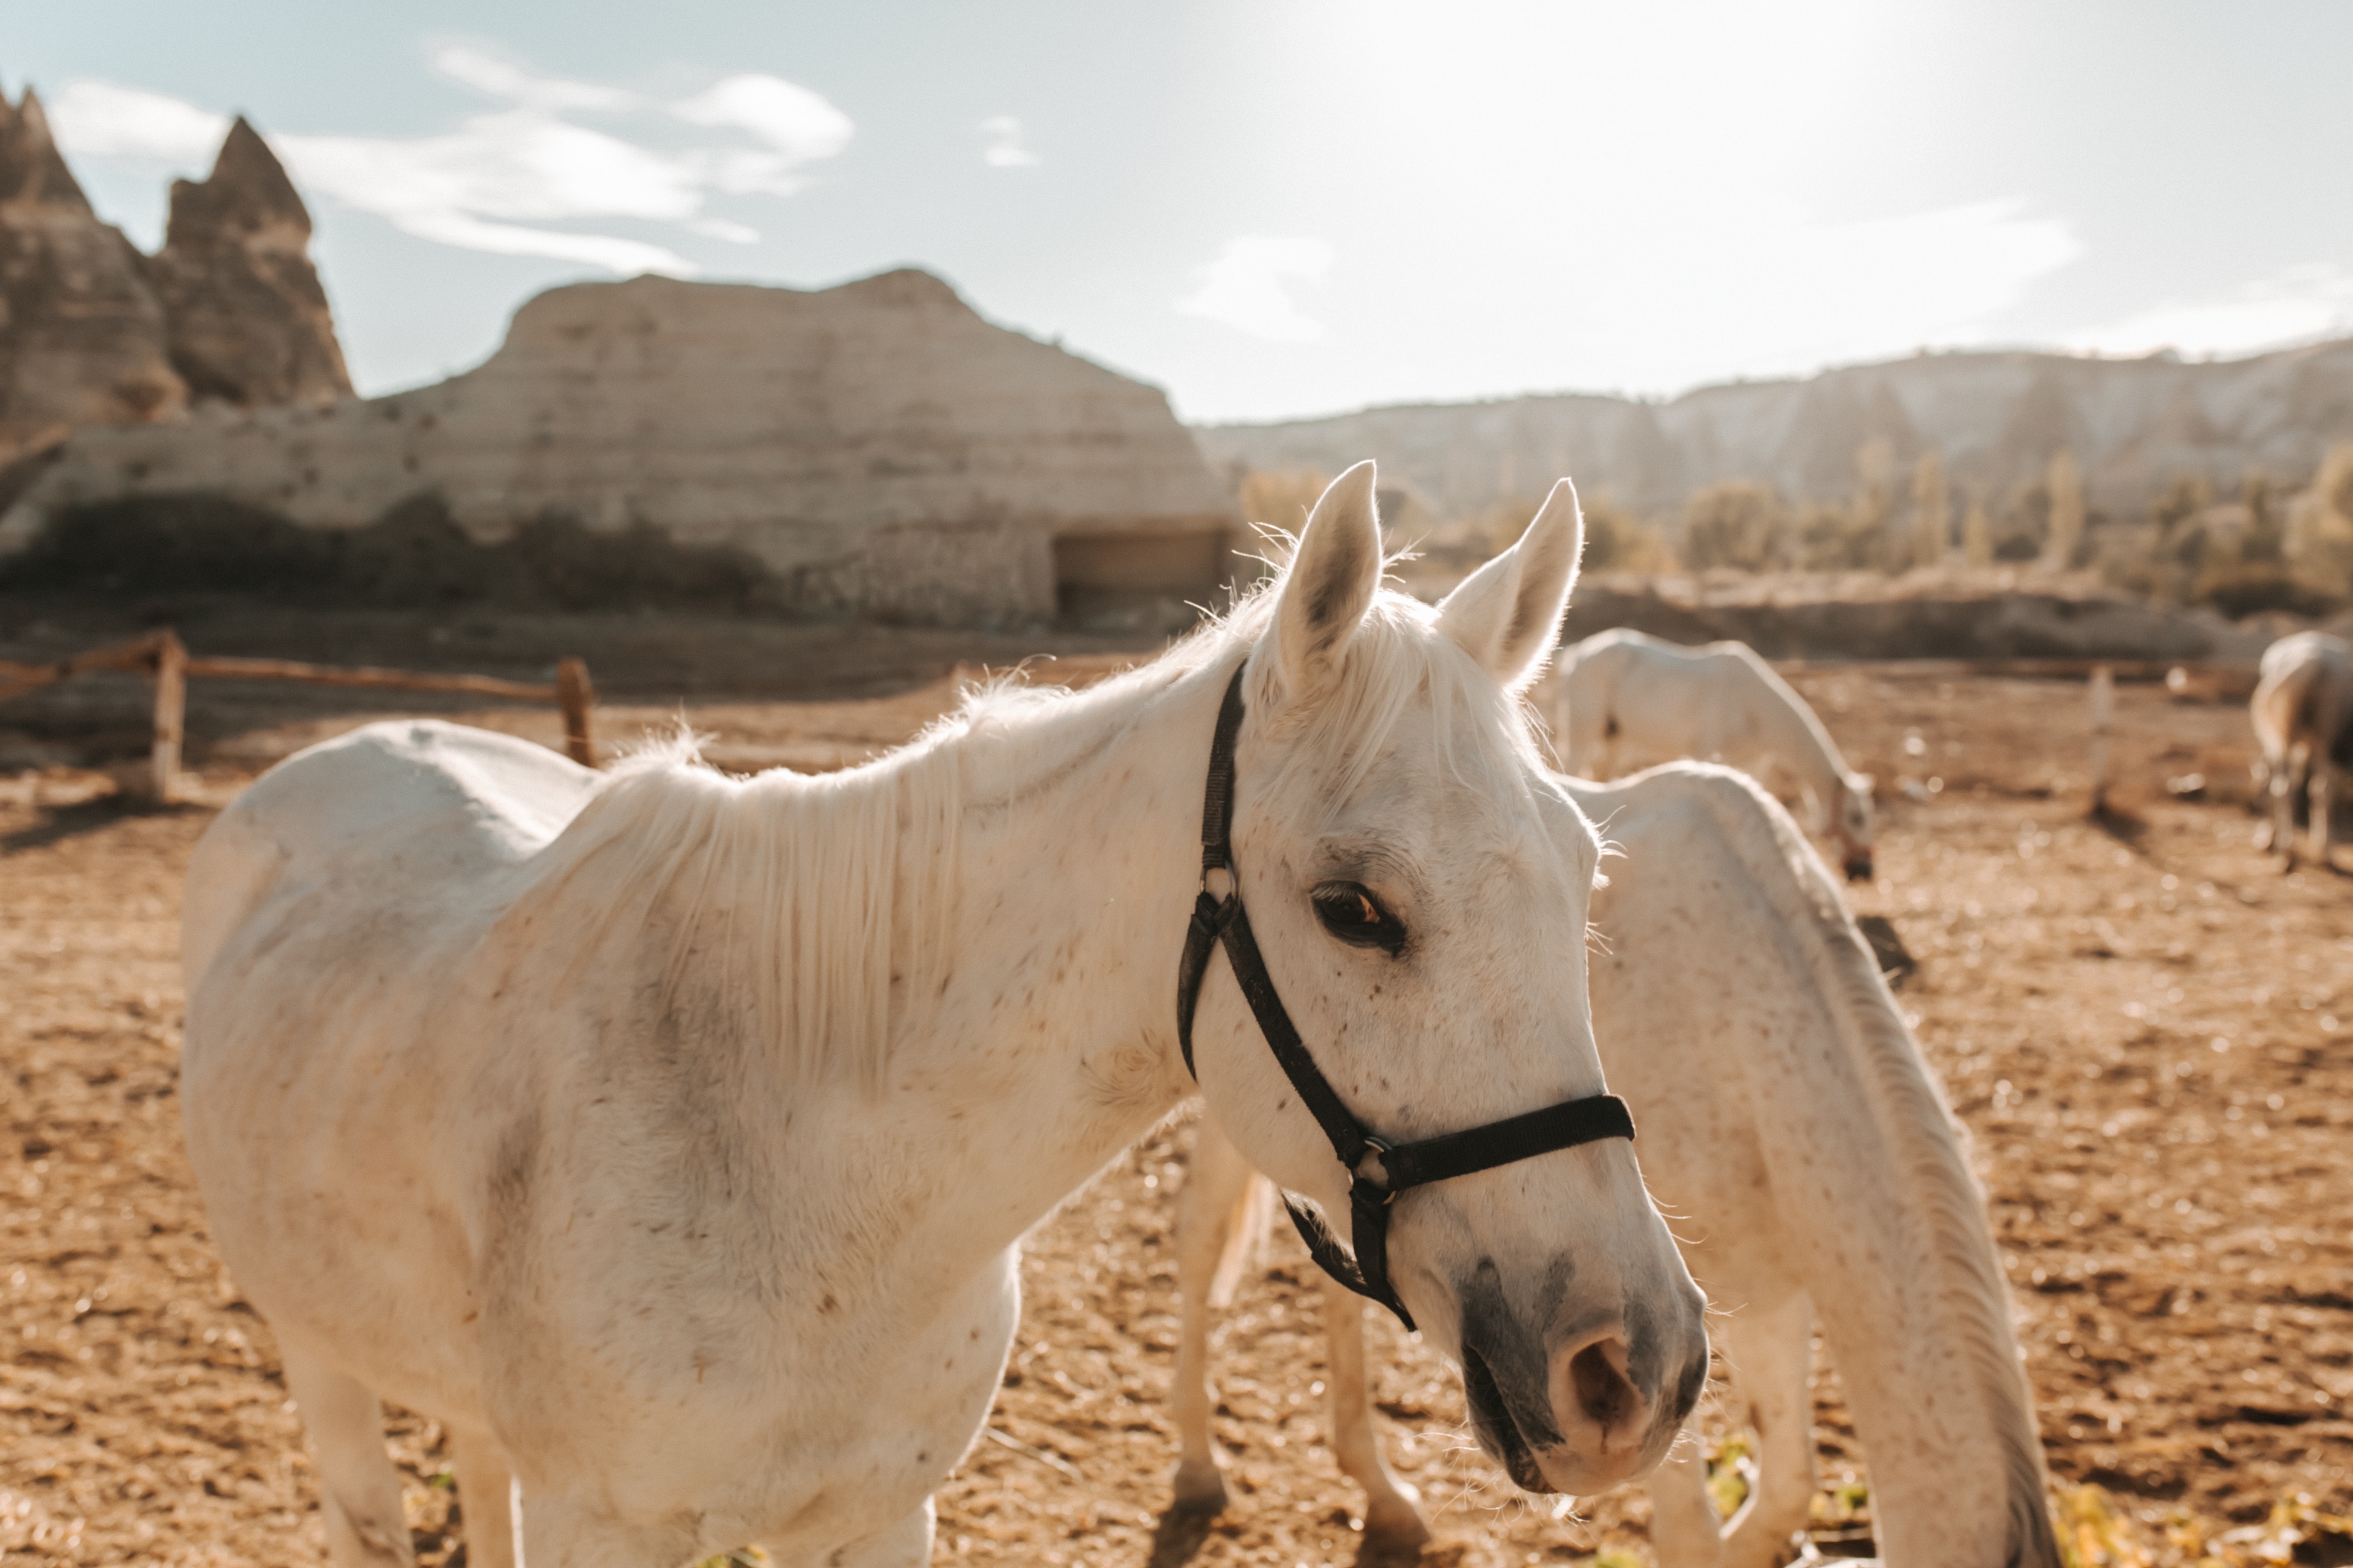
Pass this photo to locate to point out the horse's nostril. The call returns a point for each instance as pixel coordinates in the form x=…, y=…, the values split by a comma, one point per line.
x=1602, y=1391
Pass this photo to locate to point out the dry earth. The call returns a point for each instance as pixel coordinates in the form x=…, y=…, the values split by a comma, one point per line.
x=2148, y=1029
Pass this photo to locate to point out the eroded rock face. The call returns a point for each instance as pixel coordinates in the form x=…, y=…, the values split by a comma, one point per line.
x=876, y=449
x=246, y=320
x=81, y=335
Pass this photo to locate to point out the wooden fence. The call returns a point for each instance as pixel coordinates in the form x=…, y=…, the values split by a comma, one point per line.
x=165, y=658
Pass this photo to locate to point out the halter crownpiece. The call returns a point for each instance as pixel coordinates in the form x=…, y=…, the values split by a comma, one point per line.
x=1377, y=1169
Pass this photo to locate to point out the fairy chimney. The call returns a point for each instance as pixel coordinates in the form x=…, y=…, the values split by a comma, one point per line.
x=247, y=321
x=81, y=334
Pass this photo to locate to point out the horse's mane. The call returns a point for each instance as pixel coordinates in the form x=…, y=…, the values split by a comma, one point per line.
x=802, y=897
x=1888, y=1064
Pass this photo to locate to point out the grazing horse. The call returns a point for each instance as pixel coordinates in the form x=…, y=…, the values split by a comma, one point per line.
x=2303, y=713
x=1788, y=1118
x=669, y=1137
x=1622, y=700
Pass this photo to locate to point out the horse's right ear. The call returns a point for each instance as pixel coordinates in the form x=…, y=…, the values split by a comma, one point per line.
x=1327, y=588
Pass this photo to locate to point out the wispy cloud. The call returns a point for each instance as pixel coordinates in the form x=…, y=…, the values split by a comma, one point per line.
x=1248, y=286
x=2303, y=304
x=101, y=120
x=489, y=184
x=1005, y=149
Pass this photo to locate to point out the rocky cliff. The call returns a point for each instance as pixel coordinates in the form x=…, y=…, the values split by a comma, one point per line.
x=876, y=447
x=246, y=320
x=81, y=334
x=2135, y=426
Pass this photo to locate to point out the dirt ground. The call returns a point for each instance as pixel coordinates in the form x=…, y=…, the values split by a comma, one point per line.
x=2148, y=1028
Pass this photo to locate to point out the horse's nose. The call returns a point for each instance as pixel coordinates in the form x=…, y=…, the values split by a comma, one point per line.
x=1857, y=868
x=1602, y=1410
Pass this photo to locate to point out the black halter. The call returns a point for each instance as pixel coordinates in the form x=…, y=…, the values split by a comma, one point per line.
x=1377, y=1170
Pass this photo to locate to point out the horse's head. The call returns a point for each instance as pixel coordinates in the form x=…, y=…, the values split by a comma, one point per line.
x=1852, y=826
x=1418, y=888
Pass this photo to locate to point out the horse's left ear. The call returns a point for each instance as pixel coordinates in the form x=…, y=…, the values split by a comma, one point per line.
x=1506, y=614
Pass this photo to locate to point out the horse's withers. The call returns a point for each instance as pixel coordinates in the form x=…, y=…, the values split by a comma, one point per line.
x=1402, y=887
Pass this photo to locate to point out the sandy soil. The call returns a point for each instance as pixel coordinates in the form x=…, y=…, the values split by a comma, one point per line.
x=2148, y=1028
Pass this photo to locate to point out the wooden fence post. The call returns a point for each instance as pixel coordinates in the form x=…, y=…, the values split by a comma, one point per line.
x=2104, y=714
x=171, y=715
x=575, y=696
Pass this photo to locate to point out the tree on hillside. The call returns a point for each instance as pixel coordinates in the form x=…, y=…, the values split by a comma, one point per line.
x=1977, y=533
x=1874, y=502
x=2319, y=541
x=1931, y=510
x=2066, y=536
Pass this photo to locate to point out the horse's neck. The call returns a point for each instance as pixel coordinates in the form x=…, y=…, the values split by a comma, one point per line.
x=1903, y=1276
x=1790, y=732
x=1052, y=1045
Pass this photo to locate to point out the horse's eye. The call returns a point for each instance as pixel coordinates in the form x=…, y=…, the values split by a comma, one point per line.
x=1356, y=917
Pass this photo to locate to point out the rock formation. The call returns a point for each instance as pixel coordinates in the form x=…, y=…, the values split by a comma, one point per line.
x=877, y=447
x=247, y=321
x=81, y=335
x=2135, y=426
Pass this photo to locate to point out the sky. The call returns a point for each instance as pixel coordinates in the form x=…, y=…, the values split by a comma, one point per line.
x=1280, y=207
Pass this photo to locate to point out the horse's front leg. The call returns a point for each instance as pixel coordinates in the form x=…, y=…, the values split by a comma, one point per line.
x=1212, y=1217
x=1771, y=1352
x=1391, y=1520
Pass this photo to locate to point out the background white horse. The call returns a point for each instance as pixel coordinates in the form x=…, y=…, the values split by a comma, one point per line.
x=1621, y=700
x=669, y=1136
x=2302, y=715
x=1788, y=1118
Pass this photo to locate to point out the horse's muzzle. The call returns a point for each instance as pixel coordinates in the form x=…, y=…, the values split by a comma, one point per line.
x=1598, y=1407
x=1857, y=868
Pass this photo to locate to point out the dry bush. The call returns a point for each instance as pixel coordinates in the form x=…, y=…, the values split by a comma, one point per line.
x=1618, y=541
x=1738, y=523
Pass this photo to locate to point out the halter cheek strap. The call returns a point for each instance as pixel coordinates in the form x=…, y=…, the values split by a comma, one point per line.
x=1377, y=1170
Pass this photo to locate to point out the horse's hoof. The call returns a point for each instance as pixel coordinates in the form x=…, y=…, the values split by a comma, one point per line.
x=1200, y=1486
x=1393, y=1526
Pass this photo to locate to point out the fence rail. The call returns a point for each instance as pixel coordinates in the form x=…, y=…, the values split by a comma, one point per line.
x=161, y=655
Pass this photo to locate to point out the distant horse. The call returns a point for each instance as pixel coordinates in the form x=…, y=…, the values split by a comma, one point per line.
x=1622, y=700
x=669, y=1137
x=1789, y=1120
x=2303, y=713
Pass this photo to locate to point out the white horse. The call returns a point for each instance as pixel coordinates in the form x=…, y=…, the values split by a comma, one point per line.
x=1788, y=1117
x=2303, y=713
x=669, y=1137
x=1622, y=700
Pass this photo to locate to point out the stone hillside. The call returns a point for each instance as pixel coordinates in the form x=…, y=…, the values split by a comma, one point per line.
x=94, y=334
x=2134, y=425
x=875, y=448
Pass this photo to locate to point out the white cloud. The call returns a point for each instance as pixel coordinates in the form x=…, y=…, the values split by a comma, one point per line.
x=1005, y=149
x=101, y=120
x=1247, y=287
x=481, y=185
x=2303, y=304
x=487, y=73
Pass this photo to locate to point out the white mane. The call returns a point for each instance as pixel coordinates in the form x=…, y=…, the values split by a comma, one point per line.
x=813, y=893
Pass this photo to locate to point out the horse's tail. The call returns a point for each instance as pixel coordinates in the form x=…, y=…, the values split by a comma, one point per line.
x=1245, y=1231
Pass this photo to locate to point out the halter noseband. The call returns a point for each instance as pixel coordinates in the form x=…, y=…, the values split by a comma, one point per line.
x=1377, y=1169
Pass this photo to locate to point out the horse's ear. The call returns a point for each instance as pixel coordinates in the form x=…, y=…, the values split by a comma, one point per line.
x=1328, y=586
x=1506, y=614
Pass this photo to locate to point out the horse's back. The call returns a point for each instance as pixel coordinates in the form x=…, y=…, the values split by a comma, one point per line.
x=401, y=800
